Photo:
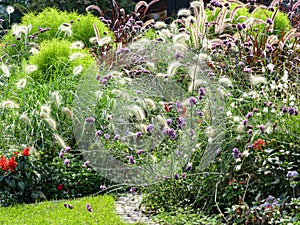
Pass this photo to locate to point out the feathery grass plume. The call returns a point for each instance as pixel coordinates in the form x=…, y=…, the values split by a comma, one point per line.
x=225, y=82
x=139, y=113
x=51, y=122
x=164, y=33
x=30, y=69
x=210, y=132
x=160, y=25
x=5, y=70
x=93, y=40
x=66, y=28
x=76, y=56
x=150, y=103
x=45, y=111
x=8, y=104
x=68, y=112
x=104, y=41
x=77, y=70
x=220, y=20
x=24, y=117
x=160, y=121
x=77, y=45
x=181, y=38
x=57, y=98
x=33, y=51
x=143, y=128
x=196, y=84
x=97, y=33
x=184, y=12
x=172, y=68
x=18, y=30
x=60, y=140
x=257, y=80
x=21, y=83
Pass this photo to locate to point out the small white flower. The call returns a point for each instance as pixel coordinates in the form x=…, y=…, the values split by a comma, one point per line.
x=5, y=70
x=77, y=45
x=30, y=68
x=77, y=70
x=285, y=76
x=229, y=113
x=271, y=66
x=21, y=83
x=10, y=9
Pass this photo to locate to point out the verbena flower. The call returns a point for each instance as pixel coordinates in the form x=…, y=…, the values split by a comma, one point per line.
x=90, y=120
x=66, y=161
x=292, y=174
x=89, y=207
x=236, y=153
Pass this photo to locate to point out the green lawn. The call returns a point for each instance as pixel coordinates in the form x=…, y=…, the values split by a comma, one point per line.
x=54, y=212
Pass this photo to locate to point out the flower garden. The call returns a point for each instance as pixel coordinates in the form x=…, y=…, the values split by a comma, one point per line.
x=198, y=115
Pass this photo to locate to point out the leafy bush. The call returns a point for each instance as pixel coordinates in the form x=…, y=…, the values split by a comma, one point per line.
x=19, y=180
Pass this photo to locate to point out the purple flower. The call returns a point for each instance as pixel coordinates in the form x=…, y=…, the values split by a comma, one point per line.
x=85, y=164
x=219, y=152
x=284, y=109
x=262, y=128
x=102, y=187
x=183, y=175
x=149, y=128
x=140, y=151
x=169, y=121
x=89, y=207
x=193, y=101
x=249, y=115
x=236, y=153
x=269, y=21
x=98, y=133
x=200, y=114
x=67, y=162
x=245, y=122
x=116, y=137
x=201, y=91
x=171, y=133
x=239, y=27
x=138, y=134
x=181, y=122
x=176, y=176
x=106, y=136
x=68, y=206
x=131, y=159
x=255, y=110
x=189, y=167
x=61, y=153
x=68, y=149
x=249, y=131
x=132, y=190
x=90, y=120
x=291, y=111
x=247, y=70
x=292, y=174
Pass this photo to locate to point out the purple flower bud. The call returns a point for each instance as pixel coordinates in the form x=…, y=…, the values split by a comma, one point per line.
x=193, y=101
x=284, y=109
x=249, y=115
x=98, y=133
x=131, y=159
x=106, y=136
x=67, y=162
x=149, y=128
x=68, y=149
x=85, y=164
x=249, y=131
x=89, y=208
x=90, y=120
x=132, y=190
x=102, y=187
x=138, y=134
x=138, y=152
x=61, y=153
x=269, y=21
x=176, y=177
x=219, y=152
x=169, y=121
x=236, y=153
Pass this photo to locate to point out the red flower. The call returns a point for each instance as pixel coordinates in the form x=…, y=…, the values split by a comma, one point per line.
x=8, y=164
x=25, y=152
x=60, y=187
x=12, y=164
x=4, y=163
x=16, y=153
x=259, y=144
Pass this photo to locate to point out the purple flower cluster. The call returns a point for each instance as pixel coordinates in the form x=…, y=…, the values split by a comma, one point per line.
x=236, y=153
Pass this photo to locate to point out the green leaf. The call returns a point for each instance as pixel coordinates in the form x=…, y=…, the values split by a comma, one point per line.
x=21, y=185
x=11, y=182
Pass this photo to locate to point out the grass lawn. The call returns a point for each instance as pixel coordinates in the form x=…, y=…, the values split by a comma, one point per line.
x=54, y=212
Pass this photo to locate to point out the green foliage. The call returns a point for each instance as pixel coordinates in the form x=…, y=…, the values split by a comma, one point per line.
x=21, y=183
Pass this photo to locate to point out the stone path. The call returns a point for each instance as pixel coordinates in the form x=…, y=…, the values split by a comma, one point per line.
x=128, y=208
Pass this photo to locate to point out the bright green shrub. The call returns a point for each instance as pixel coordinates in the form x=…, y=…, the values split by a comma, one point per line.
x=53, y=60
